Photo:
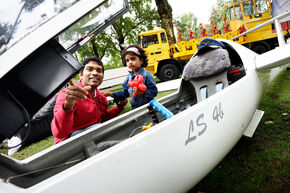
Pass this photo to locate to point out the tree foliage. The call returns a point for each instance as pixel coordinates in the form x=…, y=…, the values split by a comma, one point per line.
x=217, y=15
x=5, y=30
x=184, y=21
x=123, y=32
x=220, y=12
x=142, y=17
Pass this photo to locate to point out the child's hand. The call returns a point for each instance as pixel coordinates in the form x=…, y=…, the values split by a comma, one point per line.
x=136, y=91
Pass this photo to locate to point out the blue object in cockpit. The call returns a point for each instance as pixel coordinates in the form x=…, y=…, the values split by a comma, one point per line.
x=163, y=110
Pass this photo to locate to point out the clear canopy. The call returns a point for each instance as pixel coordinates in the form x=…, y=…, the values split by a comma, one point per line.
x=81, y=31
x=18, y=18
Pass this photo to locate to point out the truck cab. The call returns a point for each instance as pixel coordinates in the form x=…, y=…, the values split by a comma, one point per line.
x=156, y=46
x=249, y=13
x=164, y=61
x=245, y=15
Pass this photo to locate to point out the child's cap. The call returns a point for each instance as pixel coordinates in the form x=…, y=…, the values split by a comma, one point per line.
x=209, y=42
x=134, y=50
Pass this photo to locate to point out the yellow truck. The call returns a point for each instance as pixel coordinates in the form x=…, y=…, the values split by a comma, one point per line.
x=167, y=61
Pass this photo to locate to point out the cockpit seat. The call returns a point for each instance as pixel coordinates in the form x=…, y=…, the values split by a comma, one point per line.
x=207, y=71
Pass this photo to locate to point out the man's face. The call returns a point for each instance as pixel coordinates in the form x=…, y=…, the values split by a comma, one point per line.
x=92, y=74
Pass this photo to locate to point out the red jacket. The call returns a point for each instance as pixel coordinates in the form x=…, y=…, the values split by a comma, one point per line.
x=85, y=113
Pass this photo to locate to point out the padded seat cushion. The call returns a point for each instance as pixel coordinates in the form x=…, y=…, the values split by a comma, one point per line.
x=206, y=64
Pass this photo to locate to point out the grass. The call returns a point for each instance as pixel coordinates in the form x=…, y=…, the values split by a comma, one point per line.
x=260, y=164
x=34, y=148
x=255, y=165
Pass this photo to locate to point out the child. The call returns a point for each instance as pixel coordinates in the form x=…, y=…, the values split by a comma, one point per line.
x=135, y=59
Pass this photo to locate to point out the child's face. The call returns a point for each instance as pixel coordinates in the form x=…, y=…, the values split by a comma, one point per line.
x=133, y=62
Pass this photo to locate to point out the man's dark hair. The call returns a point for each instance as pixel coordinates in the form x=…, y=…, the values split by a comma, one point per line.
x=87, y=60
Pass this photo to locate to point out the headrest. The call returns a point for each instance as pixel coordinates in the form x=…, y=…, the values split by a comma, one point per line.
x=211, y=62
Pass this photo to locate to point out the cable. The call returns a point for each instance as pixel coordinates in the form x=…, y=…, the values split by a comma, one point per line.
x=26, y=125
x=134, y=131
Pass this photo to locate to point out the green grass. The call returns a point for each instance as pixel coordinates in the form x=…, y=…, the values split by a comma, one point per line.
x=260, y=164
x=34, y=148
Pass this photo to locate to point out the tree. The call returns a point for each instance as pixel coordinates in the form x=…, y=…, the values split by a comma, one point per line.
x=185, y=20
x=165, y=12
x=124, y=31
x=98, y=46
x=141, y=17
x=218, y=14
x=5, y=31
x=29, y=5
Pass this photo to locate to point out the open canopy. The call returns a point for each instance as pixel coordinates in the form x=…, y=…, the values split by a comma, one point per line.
x=36, y=51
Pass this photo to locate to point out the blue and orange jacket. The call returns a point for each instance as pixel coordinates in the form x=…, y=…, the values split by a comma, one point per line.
x=127, y=91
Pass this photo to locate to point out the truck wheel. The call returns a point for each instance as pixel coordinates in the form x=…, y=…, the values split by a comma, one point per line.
x=260, y=48
x=168, y=72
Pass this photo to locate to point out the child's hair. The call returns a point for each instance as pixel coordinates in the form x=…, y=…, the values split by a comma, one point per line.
x=136, y=50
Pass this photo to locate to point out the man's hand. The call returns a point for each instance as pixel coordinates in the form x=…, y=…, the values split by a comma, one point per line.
x=122, y=103
x=108, y=94
x=73, y=94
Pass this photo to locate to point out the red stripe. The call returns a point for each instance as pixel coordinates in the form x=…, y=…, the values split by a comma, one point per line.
x=236, y=71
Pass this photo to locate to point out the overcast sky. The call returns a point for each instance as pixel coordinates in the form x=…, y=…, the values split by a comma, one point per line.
x=200, y=8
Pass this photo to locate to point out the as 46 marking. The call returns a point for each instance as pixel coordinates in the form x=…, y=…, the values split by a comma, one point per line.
x=199, y=127
x=217, y=112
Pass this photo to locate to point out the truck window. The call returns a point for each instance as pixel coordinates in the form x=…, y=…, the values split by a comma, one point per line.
x=163, y=38
x=248, y=8
x=232, y=14
x=139, y=41
x=150, y=40
x=262, y=6
x=238, y=12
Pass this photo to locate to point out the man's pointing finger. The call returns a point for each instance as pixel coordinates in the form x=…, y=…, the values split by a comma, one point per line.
x=71, y=82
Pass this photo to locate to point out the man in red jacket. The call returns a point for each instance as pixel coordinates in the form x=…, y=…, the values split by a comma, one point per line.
x=80, y=105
